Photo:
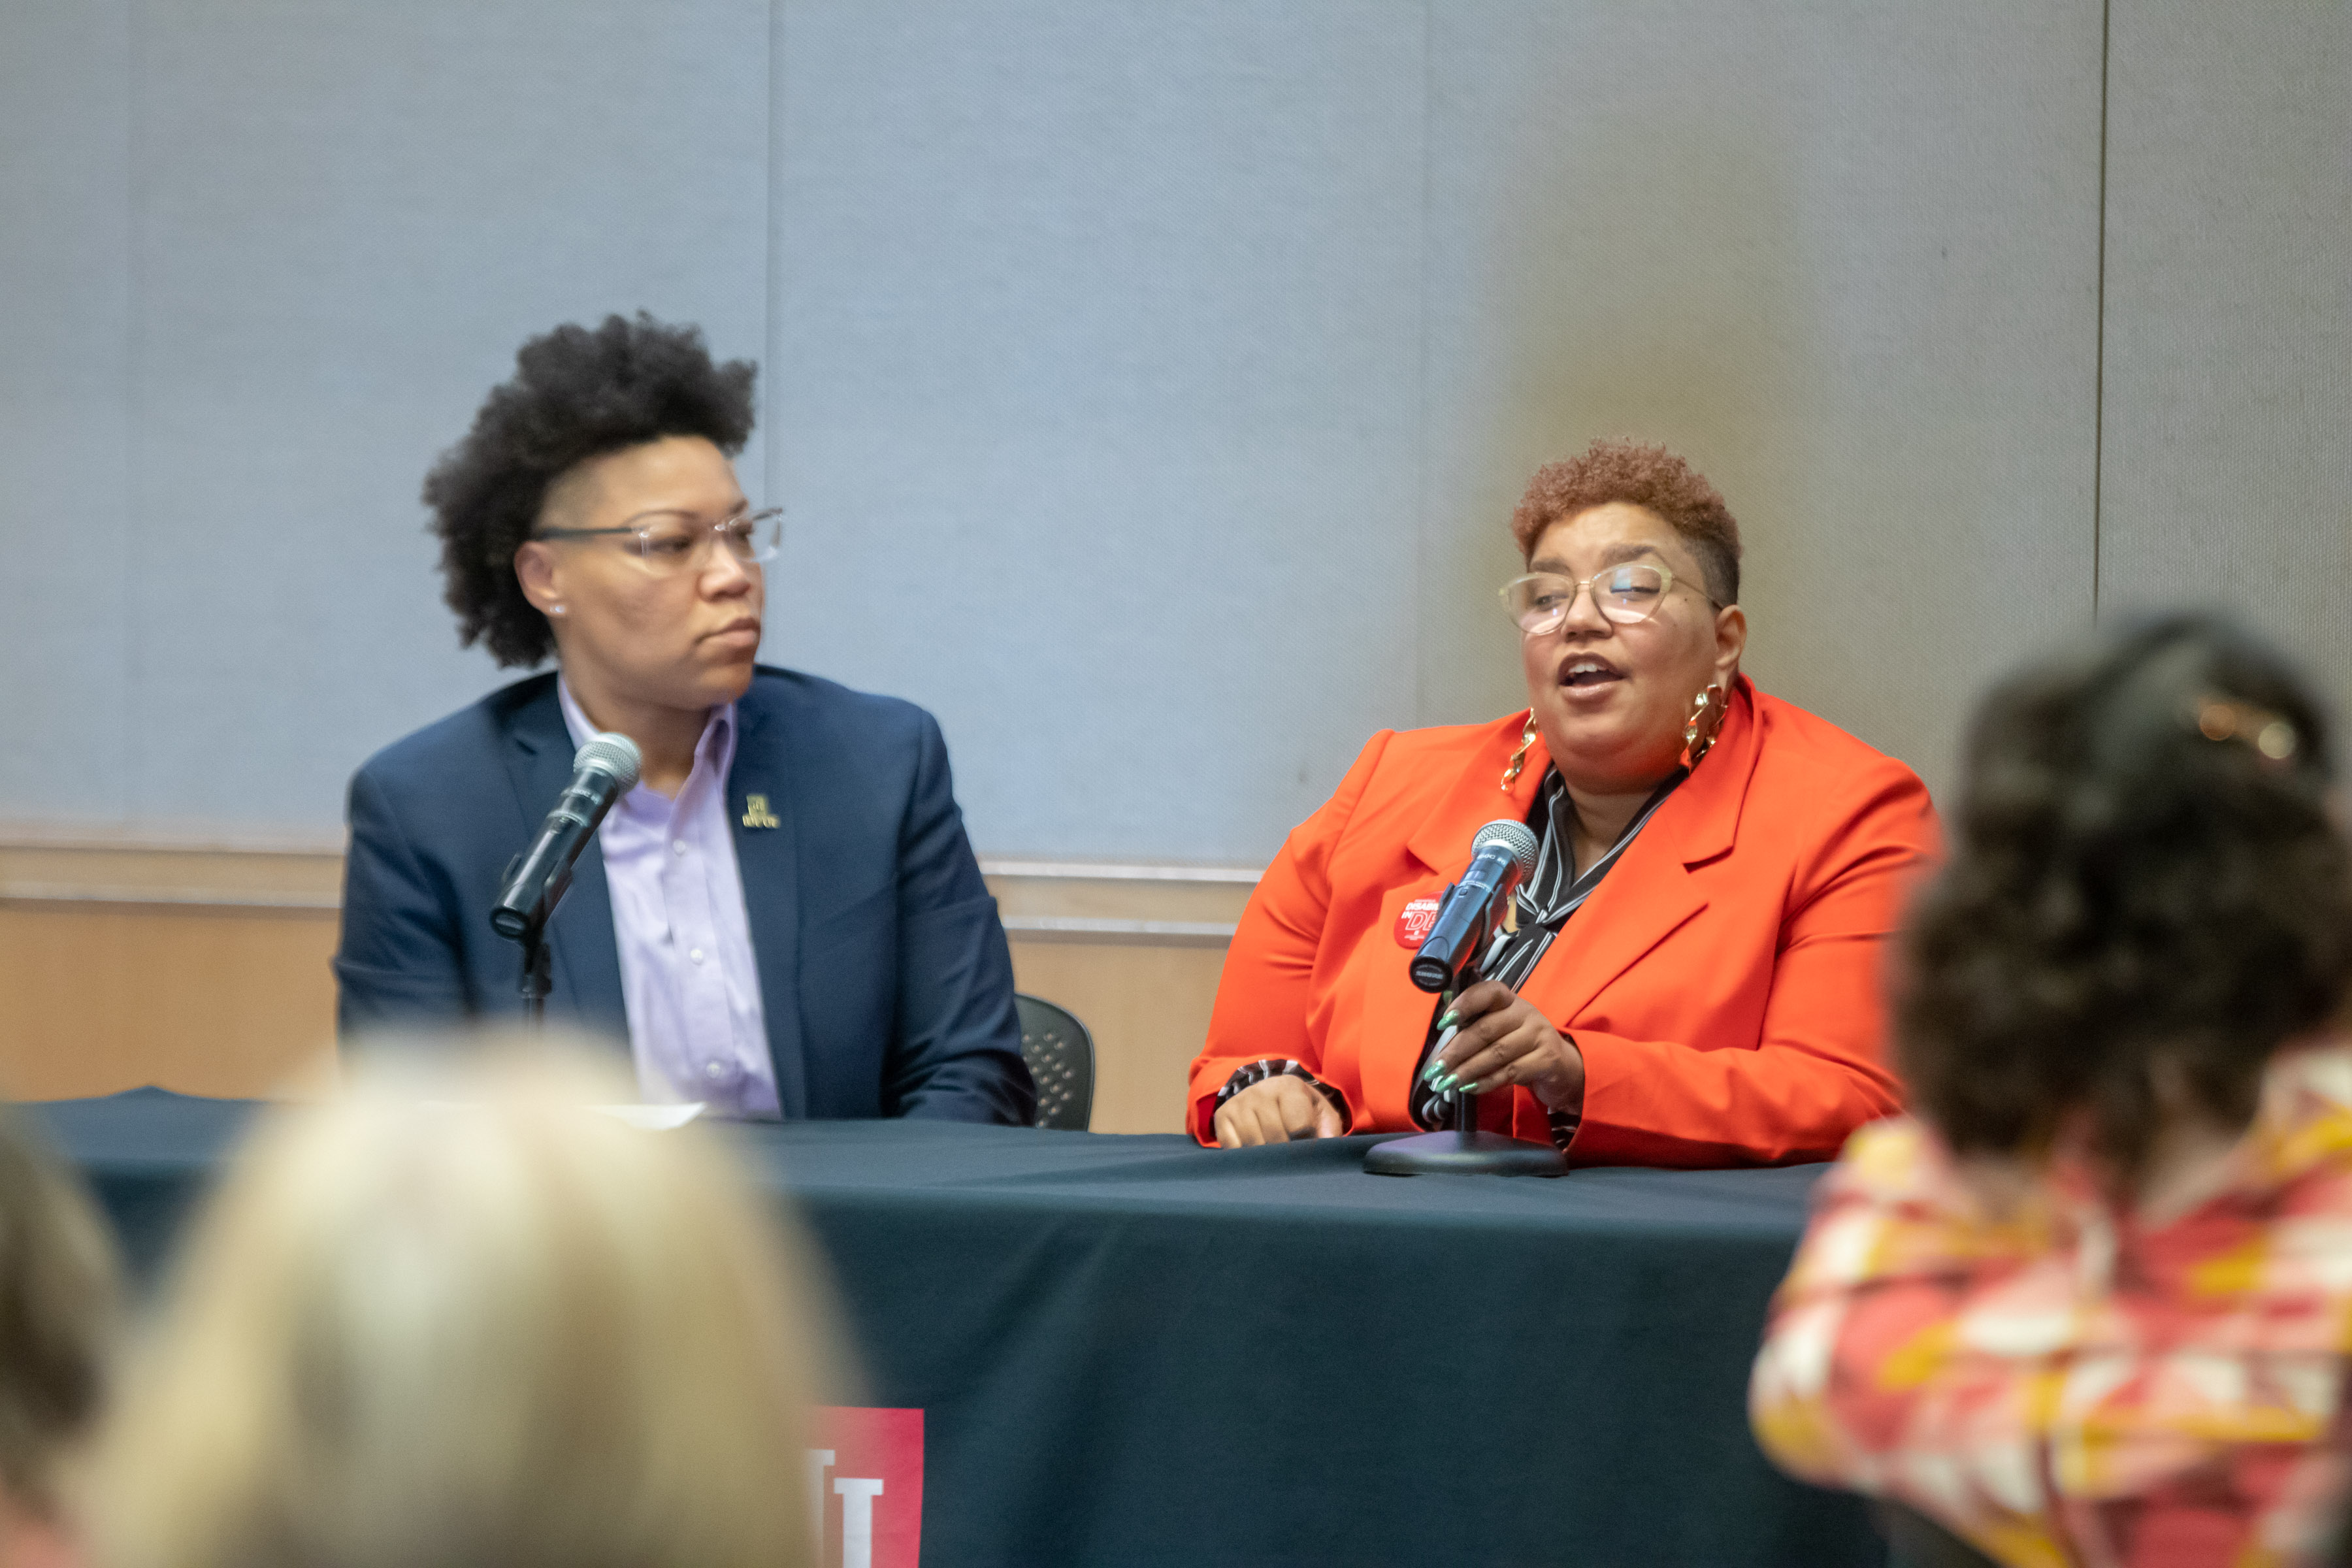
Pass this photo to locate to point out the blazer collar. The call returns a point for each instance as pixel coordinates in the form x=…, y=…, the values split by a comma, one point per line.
x=767, y=857
x=586, y=955
x=1715, y=797
x=1477, y=796
x=1653, y=891
x=536, y=725
x=752, y=709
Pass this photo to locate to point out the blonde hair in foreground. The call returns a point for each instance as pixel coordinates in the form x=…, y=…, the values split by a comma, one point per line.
x=496, y=1328
x=59, y=1293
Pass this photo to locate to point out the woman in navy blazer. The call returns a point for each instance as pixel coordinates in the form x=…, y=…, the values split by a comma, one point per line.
x=593, y=512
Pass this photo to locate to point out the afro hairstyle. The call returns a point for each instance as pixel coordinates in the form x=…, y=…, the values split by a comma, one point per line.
x=576, y=393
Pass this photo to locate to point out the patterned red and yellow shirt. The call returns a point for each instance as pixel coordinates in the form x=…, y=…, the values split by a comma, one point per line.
x=2072, y=1383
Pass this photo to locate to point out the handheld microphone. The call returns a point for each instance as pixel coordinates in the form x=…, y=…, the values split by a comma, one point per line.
x=603, y=770
x=1500, y=858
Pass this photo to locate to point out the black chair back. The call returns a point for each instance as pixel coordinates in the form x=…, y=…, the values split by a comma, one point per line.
x=1061, y=1058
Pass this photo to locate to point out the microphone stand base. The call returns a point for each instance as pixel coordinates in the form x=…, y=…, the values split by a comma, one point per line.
x=1464, y=1154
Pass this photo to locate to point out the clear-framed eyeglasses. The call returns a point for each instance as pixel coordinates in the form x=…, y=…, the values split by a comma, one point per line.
x=1627, y=594
x=671, y=542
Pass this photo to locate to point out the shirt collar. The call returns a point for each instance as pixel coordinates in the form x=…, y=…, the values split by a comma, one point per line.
x=1557, y=884
x=717, y=730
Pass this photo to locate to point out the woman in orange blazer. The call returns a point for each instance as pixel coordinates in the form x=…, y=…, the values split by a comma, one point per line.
x=1695, y=979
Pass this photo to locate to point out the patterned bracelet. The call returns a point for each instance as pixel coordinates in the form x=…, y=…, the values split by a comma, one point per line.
x=1564, y=1124
x=1265, y=1068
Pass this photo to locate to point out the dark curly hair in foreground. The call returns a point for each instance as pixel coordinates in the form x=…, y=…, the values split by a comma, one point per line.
x=575, y=395
x=2146, y=899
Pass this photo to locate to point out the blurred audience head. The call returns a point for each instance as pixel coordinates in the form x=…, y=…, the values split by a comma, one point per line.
x=2148, y=894
x=58, y=1294
x=493, y=1327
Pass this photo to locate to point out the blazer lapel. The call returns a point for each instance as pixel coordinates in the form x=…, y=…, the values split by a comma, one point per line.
x=1651, y=892
x=586, y=955
x=761, y=808
x=1476, y=798
x=1396, y=1016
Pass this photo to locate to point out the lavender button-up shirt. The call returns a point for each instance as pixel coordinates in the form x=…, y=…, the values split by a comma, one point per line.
x=696, y=1026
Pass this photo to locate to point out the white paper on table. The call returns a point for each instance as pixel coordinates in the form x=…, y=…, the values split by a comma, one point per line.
x=654, y=1117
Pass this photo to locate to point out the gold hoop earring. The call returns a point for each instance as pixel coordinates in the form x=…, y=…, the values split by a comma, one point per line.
x=1520, y=758
x=1705, y=721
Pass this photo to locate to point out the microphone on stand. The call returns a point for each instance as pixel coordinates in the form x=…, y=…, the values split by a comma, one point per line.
x=1501, y=857
x=1447, y=961
x=603, y=770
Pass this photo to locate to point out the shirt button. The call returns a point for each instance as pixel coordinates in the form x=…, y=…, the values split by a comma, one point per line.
x=678, y=846
x=714, y=1071
x=695, y=953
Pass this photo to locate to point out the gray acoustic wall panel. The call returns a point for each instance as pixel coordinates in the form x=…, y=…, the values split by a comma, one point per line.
x=1149, y=383
x=2228, y=473
x=66, y=555
x=1096, y=398
x=347, y=219
x=1170, y=372
x=1843, y=256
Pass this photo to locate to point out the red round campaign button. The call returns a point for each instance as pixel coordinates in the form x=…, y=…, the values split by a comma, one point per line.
x=1414, y=921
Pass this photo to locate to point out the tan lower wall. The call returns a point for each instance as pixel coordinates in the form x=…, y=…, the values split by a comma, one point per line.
x=203, y=1001
x=203, y=967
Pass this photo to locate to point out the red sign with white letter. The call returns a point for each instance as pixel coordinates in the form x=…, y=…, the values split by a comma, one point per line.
x=1414, y=921
x=866, y=1487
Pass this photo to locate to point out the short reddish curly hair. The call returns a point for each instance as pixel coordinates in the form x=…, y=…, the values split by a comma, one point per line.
x=1648, y=477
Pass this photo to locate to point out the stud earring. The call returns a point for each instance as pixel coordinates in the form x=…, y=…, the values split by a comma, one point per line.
x=1519, y=757
x=1706, y=720
x=555, y=609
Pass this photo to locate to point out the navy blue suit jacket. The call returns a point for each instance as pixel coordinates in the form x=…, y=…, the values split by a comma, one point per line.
x=884, y=971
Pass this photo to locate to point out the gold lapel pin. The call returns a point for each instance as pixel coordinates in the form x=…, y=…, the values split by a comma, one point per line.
x=756, y=813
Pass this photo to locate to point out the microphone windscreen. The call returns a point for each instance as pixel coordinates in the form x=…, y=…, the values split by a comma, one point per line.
x=611, y=752
x=1514, y=835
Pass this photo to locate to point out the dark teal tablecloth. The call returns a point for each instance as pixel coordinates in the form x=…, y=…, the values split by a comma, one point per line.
x=1131, y=1351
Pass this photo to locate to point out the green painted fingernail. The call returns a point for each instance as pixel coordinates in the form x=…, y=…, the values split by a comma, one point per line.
x=1447, y=1021
x=1445, y=1083
x=1429, y=1074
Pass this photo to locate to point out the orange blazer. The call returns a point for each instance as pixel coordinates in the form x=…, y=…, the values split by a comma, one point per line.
x=1723, y=982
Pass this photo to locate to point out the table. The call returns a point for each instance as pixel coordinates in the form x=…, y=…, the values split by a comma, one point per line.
x=1131, y=1351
